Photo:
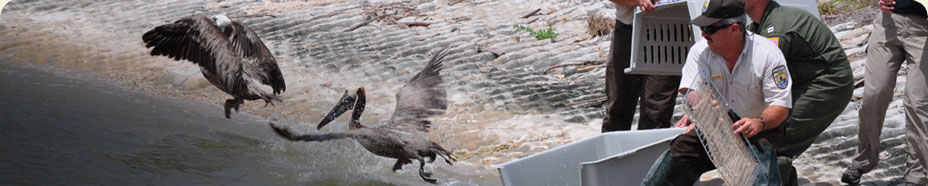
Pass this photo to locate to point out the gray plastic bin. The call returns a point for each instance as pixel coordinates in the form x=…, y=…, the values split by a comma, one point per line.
x=615, y=158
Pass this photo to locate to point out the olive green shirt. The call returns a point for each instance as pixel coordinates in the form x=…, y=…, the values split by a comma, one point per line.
x=802, y=37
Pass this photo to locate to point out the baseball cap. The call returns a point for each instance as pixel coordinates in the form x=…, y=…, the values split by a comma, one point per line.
x=717, y=10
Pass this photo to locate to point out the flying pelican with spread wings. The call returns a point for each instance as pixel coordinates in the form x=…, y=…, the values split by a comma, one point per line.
x=230, y=55
x=400, y=138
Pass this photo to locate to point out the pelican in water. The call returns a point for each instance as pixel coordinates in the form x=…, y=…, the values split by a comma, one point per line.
x=400, y=138
x=230, y=56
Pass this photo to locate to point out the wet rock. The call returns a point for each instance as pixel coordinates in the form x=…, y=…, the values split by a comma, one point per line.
x=539, y=147
x=490, y=160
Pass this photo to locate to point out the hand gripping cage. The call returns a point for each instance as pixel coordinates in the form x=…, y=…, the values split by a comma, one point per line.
x=736, y=160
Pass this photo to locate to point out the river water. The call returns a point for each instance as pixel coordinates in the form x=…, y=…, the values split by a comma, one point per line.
x=60, y=128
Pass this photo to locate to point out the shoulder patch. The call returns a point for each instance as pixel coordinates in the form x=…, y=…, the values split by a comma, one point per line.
x=779, y=76
x=770, y=30
x=775, y=40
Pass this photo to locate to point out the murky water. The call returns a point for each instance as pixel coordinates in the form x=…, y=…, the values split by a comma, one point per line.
x=60, y=129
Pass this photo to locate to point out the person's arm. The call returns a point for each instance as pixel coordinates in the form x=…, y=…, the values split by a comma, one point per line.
x=646, y=5
x=772, y=116
x=688, y=74
x=692, y=99
x=885, y=5
x=777, y=92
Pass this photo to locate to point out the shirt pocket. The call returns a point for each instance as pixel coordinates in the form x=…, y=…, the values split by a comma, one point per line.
x=749, y=97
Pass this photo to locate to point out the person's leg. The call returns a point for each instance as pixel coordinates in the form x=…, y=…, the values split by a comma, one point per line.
x=916, y=100
x=788, y=175
x=915, y=162
x=682, y=164
x=657, y=101
x=884, y=57
x=915, y=172
x=621, y=89
x=816, y=104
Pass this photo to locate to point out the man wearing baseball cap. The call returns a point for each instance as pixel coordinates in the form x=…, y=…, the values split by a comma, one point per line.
x=750, y=73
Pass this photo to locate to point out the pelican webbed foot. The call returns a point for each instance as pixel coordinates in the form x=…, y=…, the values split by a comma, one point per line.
x=232, y=104
x=427, y=176
x=399, y=164
x=269, y=100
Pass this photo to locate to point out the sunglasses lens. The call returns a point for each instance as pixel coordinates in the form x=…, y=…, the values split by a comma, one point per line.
x=709, y=30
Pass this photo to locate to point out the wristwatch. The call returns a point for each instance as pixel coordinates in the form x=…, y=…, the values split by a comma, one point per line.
x=762, y=122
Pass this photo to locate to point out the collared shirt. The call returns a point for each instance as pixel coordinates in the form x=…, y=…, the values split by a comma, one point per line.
x=625, y=14
x=759, y=78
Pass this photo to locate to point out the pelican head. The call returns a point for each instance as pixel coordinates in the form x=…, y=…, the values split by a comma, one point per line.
x=347, y=102
x=221, y=20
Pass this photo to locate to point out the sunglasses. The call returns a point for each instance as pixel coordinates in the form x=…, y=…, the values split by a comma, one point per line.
x=709, y=30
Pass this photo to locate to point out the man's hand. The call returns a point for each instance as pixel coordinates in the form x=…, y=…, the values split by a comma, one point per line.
x=685, y=122
x=887, y=5
x=748, y=126
x=646, y=5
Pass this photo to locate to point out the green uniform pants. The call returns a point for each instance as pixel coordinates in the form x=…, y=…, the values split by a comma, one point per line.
x=820, y=93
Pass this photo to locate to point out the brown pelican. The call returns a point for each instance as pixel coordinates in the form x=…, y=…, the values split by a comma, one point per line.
x=230, y=55
x=419, y=99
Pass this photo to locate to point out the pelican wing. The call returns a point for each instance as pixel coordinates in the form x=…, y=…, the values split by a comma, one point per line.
x=262, y=63
x=421, y=98
x=199, y=41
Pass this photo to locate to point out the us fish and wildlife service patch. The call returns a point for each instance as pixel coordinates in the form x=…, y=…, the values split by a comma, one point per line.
x=780, y=77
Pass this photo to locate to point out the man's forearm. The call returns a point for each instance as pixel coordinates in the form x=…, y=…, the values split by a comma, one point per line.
x=774, y=115
x=628, y=3
x=625, y=2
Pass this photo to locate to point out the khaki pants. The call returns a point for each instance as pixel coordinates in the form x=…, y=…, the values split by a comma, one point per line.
x=657, y=93
x=895, y=38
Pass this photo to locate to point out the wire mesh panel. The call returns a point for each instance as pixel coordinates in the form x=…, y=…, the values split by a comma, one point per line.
x=734, y=158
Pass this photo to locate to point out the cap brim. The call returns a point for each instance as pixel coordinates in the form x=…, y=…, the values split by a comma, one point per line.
x=704, y=20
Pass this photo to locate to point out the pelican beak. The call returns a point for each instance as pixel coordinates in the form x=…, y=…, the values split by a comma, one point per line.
x=358, y=108
x=344, y=103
